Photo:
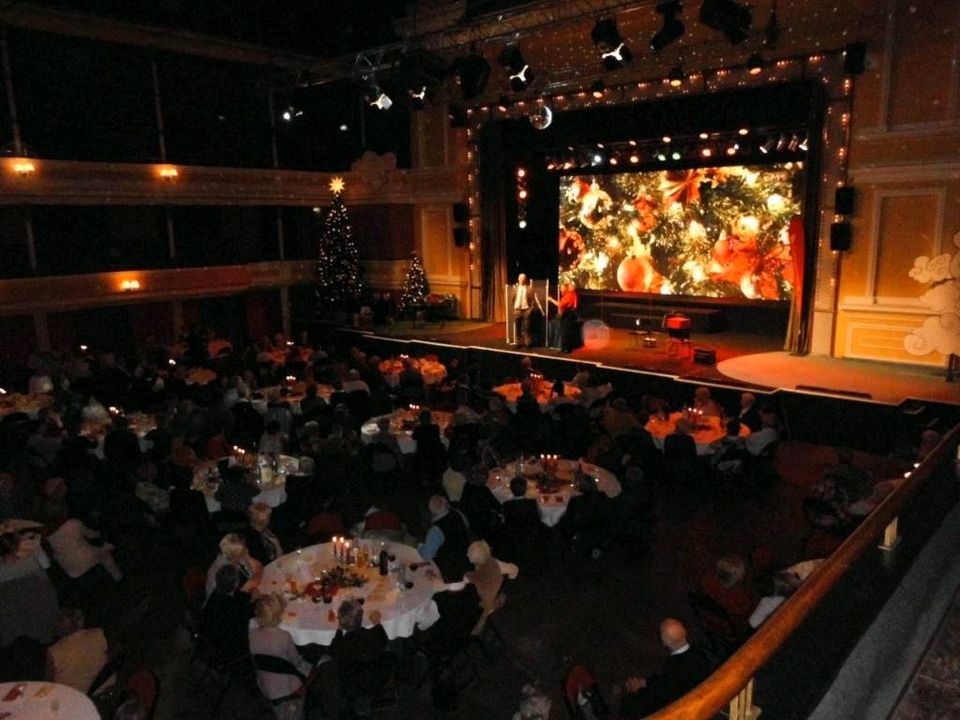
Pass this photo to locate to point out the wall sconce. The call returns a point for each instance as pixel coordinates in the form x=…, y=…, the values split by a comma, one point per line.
x=168, y=173
x=24, y=168
x=130, y=285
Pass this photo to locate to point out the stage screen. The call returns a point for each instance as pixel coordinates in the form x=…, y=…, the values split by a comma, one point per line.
x=715, y=232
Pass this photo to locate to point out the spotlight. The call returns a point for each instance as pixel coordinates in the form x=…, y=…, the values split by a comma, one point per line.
x=634, y=159
x=615, y=51
x=706, y=152
x=503, y=104
x=597, y=89
x=768, y=146
x=418, y=99
x=672, y=28
x=675, y=155
x=473, y=72
x=793, y=144
x=743, y=131
x=804, y=144
x=383, y=101
x=613, y=160
x=667, y=139
x=755, y=64
x=520, y=74
x=661, y=156
x=344, y=127
x=676, y=76
x=596, y=159
x=704, y=136
x=290, y=113
x=729, y=17
x=732, y=150
x=781, y=142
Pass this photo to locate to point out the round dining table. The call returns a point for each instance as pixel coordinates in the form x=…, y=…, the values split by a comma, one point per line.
x=44, y=701
x=140, y=424
x=402, y=609
x=402, y=424
x=709, y=430
x=31, y=405
x=273, y=487
x=552, y=495
x=433, y=371
x=295, y=395
x=511, y=392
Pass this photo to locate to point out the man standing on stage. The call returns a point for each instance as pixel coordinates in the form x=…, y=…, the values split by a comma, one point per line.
x=523, y=302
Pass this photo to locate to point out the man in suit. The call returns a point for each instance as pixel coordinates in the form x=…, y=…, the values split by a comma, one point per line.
x=684, y=669
x=524, y=300
x=447, y=540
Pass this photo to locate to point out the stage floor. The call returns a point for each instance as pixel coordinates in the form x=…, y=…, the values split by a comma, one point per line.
x=756, y=361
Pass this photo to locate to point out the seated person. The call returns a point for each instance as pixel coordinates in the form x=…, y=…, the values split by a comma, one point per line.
x=749, y=414
x=783, y=585
x=226, y=617
x=730, y=450
x=273, y=440
x=587, y=512
x=618, y=418
x=454, y=478
x=855, y=481
x=383, y=436
x=263, y=544
x=756, y=442
x=354, y=382
x=684, y=669
x=680, y=442
x=480, y=505
x=447, y=540
x=727, y=585
x=283, y=690
x=704, y=403
x=519, y=509
x=235, y=492
x=79, y=655
x=354, y=645
x=233, y=551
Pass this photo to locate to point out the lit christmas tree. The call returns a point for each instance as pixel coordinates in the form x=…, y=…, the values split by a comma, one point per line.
x=415, y=286
x=339, y=276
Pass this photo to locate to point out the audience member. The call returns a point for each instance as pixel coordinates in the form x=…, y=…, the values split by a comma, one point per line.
x=446, y=541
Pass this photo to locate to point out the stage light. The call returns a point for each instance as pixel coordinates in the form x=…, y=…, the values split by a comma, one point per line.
x=704, y=136
x=473, y=72
x=755, y=64
x=521, y=172
x=597, y=159
x=522, y=224
x=634, y=159
x=615, y=52
x=520, y=75
x=675, y=155
x=661, y=156
x=706, y=152
x=344, y=127
x=732, y=150
x=287, y=115
x=676, y=76
x=781, y=143
x=383, y=101
x=613, y=161
x=672, y=27
x=632, y=143
x=743, y=131
x=24, y=168
x=768, y=146
x=522, y=194
x=597, y=89
x=729, y=17
x=804, y=144
x=503, y=104
x=793, y=144
x=418, y=99
x=666, y=139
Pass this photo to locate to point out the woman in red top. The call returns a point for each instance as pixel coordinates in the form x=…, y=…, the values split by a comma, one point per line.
x=562, y=326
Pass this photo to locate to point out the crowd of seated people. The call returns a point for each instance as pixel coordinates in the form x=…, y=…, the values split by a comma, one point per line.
x=120, y=515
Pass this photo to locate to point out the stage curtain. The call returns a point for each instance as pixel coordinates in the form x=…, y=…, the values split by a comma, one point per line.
x=491, y=160
x=796, y=334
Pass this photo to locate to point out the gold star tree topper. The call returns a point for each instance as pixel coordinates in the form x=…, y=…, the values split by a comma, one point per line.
x=337, y=185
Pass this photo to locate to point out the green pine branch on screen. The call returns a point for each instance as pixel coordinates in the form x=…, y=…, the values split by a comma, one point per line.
x=415, y=287
x=339, y=275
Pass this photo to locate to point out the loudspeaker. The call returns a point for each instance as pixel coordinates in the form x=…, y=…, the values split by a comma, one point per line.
x=843, y=200
x=854, y=58
x=704, y=356
x=461, y=213
x=841, y=234
x=461, y=237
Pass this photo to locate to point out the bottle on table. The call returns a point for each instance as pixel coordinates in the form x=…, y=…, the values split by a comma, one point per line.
x=384, y=560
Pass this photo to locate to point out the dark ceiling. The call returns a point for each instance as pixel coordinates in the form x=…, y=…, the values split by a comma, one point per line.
x=321, y=28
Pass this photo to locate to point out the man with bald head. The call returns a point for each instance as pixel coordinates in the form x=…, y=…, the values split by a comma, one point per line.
x=684, y=669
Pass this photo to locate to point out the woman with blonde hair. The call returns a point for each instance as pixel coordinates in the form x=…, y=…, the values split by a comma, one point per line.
x=281, y=672
x=233, y=551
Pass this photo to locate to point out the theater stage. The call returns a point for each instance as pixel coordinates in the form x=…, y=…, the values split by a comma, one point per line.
x=743, y=360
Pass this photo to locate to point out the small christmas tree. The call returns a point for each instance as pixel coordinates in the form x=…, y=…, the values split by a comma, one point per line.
x=415, y=286
x=339, y=276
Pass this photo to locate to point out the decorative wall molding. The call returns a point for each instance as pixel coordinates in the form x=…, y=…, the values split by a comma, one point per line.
x=32, y=295
x=926, y=172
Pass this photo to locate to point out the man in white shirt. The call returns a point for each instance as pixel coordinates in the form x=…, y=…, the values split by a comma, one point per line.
x=354, y=382
x=524, y=300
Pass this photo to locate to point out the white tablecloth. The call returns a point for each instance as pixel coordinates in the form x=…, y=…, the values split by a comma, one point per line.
x=273, y=493
x=404, y=437
x=30, y=404
x=512, y=392
x=552, y=505
x=293, y=399
x=74, y=705
x=402, y=611
x=140, y=423
x=711, y=431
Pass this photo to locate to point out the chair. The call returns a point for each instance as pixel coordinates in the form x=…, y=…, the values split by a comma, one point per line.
x=715, y=622
x=280, y=666
x=144, y=686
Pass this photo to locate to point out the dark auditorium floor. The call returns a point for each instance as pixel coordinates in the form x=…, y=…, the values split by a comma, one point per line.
x=604, y=614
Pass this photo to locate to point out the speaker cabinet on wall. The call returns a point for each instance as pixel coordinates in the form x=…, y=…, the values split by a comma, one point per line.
x=841, y=234
x=461, y=213
x=461, y=237
x=855, y=58
x=843, y=200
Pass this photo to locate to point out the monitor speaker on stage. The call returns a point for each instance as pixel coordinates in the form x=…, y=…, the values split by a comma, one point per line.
x=844, y=200
x=841, y=234
x=461, y=213
x=461, y=237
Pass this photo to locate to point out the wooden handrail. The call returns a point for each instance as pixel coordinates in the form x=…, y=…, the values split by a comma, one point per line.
x=713, y=694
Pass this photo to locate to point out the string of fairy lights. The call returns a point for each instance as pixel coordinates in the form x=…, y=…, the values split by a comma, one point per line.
x=827, y=66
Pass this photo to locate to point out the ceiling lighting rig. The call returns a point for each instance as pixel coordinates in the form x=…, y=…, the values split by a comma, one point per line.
x=614, y=51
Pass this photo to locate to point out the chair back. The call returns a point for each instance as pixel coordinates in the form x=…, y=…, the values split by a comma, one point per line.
x=143, y=685
x=276, y=665
x=382, y=520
